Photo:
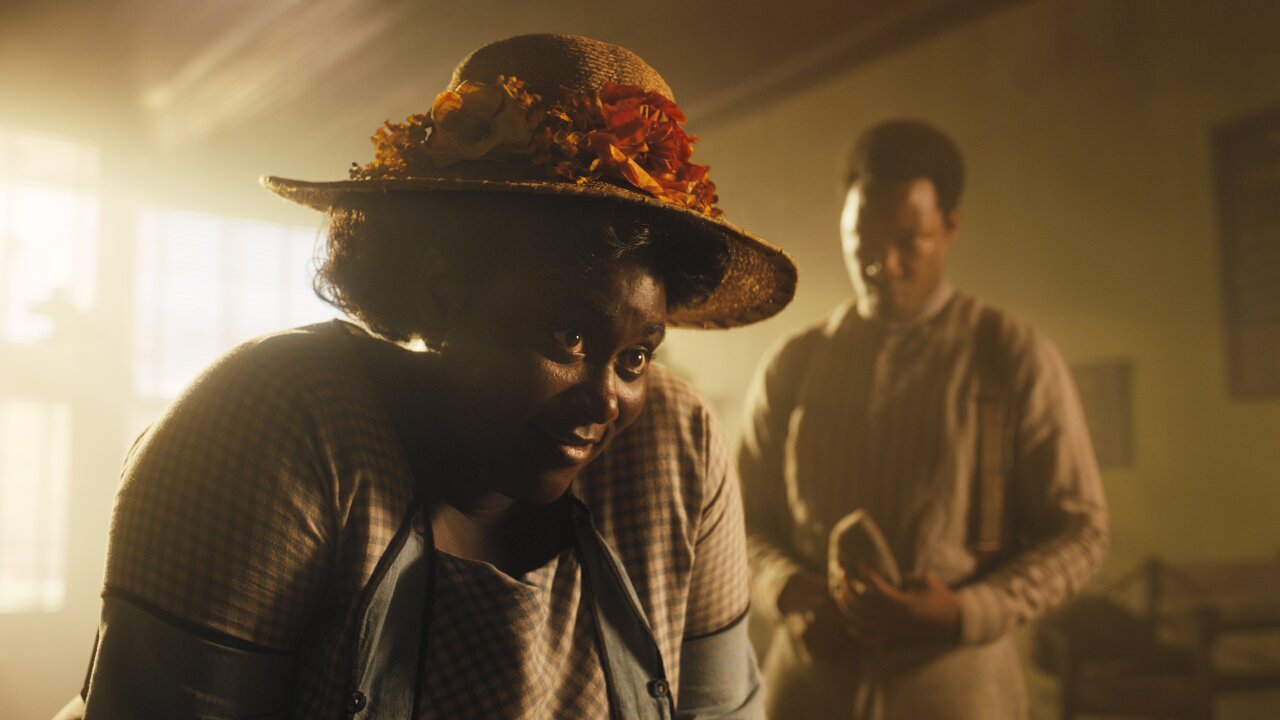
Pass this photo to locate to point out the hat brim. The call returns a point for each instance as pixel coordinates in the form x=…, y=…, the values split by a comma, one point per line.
x=759, y=278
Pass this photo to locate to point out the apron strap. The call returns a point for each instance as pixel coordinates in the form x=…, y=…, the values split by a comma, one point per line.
x=391, y=644
x=633, y=670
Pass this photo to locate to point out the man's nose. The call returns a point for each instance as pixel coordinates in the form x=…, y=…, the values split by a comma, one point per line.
x=884, y=265
x=894, y=268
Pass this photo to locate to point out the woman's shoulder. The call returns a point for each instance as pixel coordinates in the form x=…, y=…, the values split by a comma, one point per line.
x=230, y=472
x=657, y=490
x=668, y=450
x=677, y=415
x=259, y=402
x=293, y=353
x=293, y=368
x=671, y=392
x=264, y=410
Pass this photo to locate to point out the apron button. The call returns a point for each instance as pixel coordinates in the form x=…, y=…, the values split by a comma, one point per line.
x=357, y=702
x=659, y=689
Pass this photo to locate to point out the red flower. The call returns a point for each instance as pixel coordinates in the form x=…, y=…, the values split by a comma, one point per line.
x=625, y=133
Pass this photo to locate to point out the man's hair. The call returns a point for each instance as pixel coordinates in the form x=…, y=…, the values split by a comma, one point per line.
x=376, y=246
x=902, y=150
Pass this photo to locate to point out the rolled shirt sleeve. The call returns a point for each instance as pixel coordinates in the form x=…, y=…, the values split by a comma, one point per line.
x=1060, y=516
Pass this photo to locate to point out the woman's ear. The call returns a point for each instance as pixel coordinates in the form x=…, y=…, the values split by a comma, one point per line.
x=435, y=298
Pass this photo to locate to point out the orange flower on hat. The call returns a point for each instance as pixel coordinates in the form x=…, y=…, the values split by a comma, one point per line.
x=631, y=134
x=624, y=134
x=395, y=147
x=472, y=122
x=476, y=121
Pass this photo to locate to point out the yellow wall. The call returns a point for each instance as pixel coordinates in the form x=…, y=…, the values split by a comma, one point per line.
x=1090, y=211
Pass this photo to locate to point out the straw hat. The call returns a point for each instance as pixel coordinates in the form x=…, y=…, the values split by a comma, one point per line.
x=566, y=115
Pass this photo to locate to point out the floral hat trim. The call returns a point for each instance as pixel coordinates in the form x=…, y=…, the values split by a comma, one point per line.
x=624, y=135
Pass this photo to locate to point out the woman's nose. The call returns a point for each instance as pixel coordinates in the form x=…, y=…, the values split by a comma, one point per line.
x=599, y=391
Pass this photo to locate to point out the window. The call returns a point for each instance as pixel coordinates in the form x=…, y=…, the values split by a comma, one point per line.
x=48, y=232
x=205, y=283
x=35, y=453
x=200, y=284
x=48, y=260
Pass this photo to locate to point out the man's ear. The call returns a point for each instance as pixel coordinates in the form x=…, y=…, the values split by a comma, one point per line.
x=951, y=223
x=435, y=298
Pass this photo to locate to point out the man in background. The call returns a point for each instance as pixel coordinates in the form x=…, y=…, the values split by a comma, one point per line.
x=957, y=433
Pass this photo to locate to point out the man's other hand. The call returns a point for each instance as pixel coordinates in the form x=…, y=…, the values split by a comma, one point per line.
x=877, y=614
x=817, y=627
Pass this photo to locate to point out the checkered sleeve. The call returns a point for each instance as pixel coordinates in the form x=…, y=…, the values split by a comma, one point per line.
x=223, y=520
x=718, y=589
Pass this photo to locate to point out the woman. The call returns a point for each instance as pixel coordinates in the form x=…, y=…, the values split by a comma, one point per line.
x=479, y=498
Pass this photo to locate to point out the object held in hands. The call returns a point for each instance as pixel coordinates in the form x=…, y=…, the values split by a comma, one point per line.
x=856, y=542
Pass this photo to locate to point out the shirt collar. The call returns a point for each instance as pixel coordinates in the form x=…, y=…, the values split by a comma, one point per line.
x=937, y=300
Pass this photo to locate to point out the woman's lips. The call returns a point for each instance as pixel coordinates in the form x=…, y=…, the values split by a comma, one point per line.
x=575, y=447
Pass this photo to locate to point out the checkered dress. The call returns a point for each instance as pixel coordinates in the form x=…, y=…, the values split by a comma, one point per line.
x=260, y=504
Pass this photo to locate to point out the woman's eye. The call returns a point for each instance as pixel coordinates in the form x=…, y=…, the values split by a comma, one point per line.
x=635, y=360
x=570, y=340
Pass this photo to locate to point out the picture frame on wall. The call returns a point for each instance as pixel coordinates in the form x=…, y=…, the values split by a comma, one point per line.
x=1106, y=392
x=1247, y=156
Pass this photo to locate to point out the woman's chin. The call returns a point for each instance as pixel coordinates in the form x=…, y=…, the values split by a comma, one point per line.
x=545, y=488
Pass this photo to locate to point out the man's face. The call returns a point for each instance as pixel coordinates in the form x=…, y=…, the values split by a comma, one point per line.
x=895, y=241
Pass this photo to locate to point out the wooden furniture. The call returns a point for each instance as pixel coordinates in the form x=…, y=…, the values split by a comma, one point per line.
x=1174, y=653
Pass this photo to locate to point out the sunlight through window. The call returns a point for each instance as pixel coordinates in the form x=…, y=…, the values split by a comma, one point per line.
x=49, y=214
x=35, y=452
x=48, y=232
x=206, y=283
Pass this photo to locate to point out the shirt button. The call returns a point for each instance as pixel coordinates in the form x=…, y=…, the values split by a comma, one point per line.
x=420, y=523
x=356, y=703
x=659, y=689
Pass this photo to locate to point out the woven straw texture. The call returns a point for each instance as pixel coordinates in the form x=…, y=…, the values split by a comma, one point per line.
x=760, y=278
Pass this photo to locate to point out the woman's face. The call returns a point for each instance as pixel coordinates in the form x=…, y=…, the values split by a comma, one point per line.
x=543, y=368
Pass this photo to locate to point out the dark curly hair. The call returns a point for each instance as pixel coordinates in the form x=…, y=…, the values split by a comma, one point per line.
x=901, y=150
x=375, y=248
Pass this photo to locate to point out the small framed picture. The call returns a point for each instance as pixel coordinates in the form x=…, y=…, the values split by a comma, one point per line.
x=1248, y=168
x=1106, y=392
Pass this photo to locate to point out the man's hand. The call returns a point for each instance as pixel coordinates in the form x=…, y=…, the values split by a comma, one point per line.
x=815, y=624
x=878, y=614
